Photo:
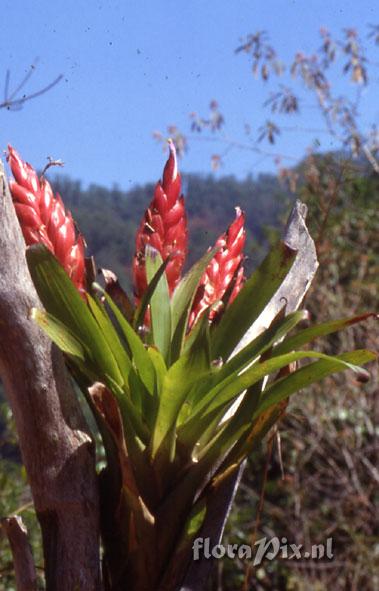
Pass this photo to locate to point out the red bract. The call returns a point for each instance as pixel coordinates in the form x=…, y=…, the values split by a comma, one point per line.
x=221, y=270
x=164, y=226
x=43, y=218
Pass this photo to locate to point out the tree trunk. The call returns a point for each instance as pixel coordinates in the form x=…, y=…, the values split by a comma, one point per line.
x=56, y=446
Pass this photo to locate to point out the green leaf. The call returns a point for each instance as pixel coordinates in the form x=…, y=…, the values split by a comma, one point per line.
x=314, y=372
x=141, y=359
x=190, y=369
x=160, y=369
x=130, y=412
x=270, y=409
x=191, y=336
x=253, y=433
x=192, y=479
x=310, y=334
x=63, y=338
x=142, y=308
x=227, y=391
x=111, y=336
x=138, y=394
x=277, y=330
x=182, y=300
x=251, y=300
x=160, y=308
x=62, y=300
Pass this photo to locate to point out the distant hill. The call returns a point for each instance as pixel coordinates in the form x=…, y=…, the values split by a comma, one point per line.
x=108, y=218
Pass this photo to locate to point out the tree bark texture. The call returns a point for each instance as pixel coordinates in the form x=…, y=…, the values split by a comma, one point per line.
x=56, y=447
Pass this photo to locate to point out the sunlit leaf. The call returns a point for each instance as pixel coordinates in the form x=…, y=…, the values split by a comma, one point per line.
x=62, y=300
x=251, y=300
x=310, y=334
x=160, y=309
x=182, y=302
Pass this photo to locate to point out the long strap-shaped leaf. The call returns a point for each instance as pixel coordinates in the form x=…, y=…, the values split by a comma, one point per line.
x=226, y=392
x=251, y=300
x=65, y=340
x=139, y=315
x=123, y=361
x=62, y=300
x=313, y=332
x=278, y=329
x=160, y=308
x=314, y=372
x=139, y=354
x=246, y=426
x=191, y=368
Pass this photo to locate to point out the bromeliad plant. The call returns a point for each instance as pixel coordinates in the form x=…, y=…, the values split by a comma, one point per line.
x=161, y=377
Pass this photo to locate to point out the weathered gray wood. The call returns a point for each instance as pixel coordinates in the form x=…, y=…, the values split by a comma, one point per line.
x=56, y=447
x=299, y=278
x=291, y=293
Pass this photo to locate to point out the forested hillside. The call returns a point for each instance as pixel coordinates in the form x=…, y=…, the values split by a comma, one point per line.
x=108, y=218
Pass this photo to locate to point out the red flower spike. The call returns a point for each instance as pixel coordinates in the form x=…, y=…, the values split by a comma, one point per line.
x=221, y=270
x=43, y=218
x=164, y=226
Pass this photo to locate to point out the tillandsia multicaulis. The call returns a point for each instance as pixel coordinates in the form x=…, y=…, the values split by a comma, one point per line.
x=43, y=218
x=166, y=399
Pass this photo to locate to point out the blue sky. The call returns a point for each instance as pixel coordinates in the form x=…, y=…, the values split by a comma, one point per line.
x=133, y=67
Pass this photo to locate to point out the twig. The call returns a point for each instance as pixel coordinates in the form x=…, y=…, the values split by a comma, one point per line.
x=279, y=446
x=371, y=468
x=24, y=507
x=52, y=162
x=11, y=102
x=240, y=145
x=25, y=572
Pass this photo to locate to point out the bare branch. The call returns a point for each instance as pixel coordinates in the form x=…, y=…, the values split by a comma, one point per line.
x=14, y=103
x=341, y=114
x=15, y=529
x=52, y=162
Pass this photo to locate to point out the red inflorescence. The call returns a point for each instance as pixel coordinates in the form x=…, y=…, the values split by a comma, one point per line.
x=163, y=226
x=220, y=272
x=43, y=218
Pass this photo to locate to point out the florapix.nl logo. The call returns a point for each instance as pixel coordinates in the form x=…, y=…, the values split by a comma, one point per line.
x=263, y=549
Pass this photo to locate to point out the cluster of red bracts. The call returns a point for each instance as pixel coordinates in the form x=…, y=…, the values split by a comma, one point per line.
x=43, y=218
x=164, y=226
x=225, y=267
